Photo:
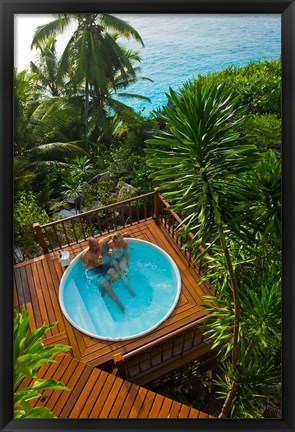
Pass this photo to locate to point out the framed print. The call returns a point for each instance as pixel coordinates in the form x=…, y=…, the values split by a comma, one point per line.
x=147, y=189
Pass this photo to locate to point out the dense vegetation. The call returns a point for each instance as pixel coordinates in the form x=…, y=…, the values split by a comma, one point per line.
x=228, y=194
x=214, y=152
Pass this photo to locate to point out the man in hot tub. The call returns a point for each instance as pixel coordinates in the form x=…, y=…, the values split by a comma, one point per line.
x=96, y=257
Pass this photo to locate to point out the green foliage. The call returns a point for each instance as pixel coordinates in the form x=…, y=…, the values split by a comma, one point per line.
x=257, y=84
x=98, y=195
x=29, y=355
x=81, y=167
x=263, y=205
x=26, y=213
x=72, y=188
x=256, y=379
x=23, y=174
x=129, y=165
x=228, y=195
x=260, y=325
x=202, y=145
x=264, y=130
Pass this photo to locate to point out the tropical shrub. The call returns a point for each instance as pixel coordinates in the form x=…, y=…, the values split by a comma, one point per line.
x=26, y=213
x=211, y=176
x=258, y=85
x=264, y=130
x=29, y=355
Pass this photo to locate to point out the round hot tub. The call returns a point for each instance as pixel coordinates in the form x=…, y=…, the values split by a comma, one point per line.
x=154, y=278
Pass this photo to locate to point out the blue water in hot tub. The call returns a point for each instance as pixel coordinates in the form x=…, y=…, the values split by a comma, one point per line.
x=154, y=278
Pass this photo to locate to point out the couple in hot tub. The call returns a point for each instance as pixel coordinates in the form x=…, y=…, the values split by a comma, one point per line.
x=109, y=256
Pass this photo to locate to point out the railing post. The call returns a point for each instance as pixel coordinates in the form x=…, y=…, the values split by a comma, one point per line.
x=40, y=237
x=119, y=362
x=156, y=214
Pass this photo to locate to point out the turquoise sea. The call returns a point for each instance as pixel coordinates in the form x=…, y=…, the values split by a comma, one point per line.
x=179, y=47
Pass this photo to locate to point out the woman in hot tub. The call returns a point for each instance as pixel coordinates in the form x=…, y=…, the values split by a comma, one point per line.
x=119, y=252
x=92, y=258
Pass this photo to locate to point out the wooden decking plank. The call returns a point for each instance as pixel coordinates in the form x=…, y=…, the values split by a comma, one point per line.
x=138, y=402
x=124, y=390
x=96, y=407
x=83, y=397
x=76, y=340
x=34, y=297
x=164, y=412
x=54, y=275
x=19, y=285
x=61, y=338
x=128, y=402
x=194, y=413
x=53, y=396
x=40, y=295
x=175, y=408
x=184, y=411
x=43, y=288
x=70, y=378
x=76, y=390
x=203, y=415
x=103, y=395
x=91, y=401
x=112, y=398
x=47, y=372
x=54, y=304
x=148, y=402
x=16, y=304
x=156, y=406
x=59, y=269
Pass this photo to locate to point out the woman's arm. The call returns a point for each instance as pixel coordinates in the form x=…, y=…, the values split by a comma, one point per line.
x=126, y=247
x=105, y=240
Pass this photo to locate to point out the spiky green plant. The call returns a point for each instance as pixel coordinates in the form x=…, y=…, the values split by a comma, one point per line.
x=29, y=355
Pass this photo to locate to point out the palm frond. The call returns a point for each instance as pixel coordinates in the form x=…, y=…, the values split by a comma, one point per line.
x=51, y=29
x=114, y=23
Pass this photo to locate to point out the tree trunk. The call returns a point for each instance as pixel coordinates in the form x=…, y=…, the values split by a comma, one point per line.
x=85, y=119
x=234, y=288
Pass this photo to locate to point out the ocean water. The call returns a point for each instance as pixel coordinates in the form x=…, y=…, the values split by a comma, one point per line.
x=179, y=47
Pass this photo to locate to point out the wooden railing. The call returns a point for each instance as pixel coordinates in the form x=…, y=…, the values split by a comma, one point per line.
x=170, y=221
x=158, y=357
x=75, y=229
x=123, y=214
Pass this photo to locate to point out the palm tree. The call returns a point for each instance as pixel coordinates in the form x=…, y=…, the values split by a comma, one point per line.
x=72, y=188
x=47, y=67
x=80, y=167
x=107, y=112
x=196, y=160
x=39, y=123
x=92, y=56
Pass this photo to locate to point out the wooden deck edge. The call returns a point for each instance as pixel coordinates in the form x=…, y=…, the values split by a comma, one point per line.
x=165, y=367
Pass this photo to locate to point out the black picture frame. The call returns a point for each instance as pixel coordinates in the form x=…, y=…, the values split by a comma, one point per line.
x=7, y=11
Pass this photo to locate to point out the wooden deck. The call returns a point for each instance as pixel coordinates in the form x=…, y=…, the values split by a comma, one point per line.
x=98, y=394
x=37, y=286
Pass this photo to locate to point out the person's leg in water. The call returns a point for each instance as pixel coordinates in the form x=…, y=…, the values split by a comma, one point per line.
x=123, y=266
x=105, y=284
